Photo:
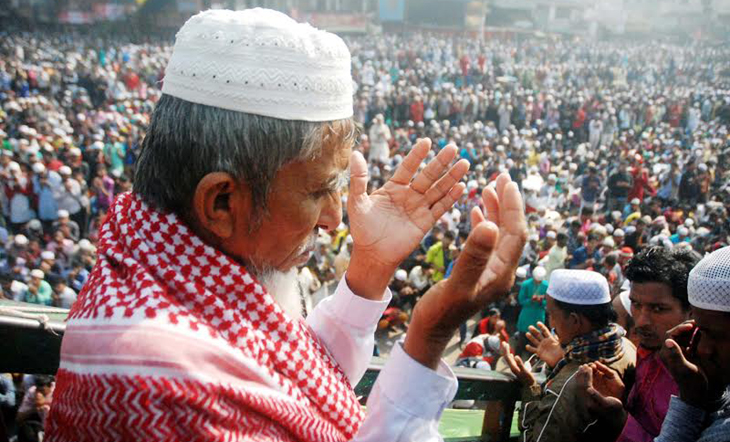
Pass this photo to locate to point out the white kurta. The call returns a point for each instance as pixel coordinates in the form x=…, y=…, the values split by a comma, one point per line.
x=408, y=398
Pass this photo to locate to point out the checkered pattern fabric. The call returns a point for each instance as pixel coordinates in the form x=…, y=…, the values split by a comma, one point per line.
x=172, y=340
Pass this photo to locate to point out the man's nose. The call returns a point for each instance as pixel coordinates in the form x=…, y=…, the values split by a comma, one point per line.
x=331, y=215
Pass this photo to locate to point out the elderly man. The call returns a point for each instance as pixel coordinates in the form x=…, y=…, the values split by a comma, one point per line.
x=188, y=328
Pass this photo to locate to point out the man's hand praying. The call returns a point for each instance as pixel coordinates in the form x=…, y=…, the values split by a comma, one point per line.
x=388, y=224
x=484, y=272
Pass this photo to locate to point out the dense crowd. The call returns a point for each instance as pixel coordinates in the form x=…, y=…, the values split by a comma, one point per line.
x=617, y=148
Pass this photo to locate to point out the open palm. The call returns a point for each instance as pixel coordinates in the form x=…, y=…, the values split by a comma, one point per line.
x=389, y=224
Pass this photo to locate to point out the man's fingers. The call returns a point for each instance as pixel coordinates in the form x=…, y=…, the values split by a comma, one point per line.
x=533, y=337
x=446, y=182
x=530, y=348
x=434, y=169
x=476, y=216
x=512, y=233
x=684, y=327
x=358, y=175
x=445, y=204
x=473, y=259
x=491, y=204
x=408, y=168
x=674, y=358
x=603, y=369
x=584, y=377
x=545, y=331
x=603, y=402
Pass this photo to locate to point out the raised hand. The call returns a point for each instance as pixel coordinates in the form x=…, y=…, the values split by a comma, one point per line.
x=544, y=344
x=606, y=381
x=610, y=409
x=515, y=364
x=483, y=273
x=681, y=363
x=388, y=224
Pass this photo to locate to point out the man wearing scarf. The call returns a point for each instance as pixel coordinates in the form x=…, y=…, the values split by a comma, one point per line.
x=579, y=308
x=188, y=328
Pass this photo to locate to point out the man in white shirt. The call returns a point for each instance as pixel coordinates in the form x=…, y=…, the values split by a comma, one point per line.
x=189, y=327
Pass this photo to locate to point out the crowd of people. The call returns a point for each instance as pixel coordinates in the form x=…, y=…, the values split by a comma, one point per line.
x=621, y=151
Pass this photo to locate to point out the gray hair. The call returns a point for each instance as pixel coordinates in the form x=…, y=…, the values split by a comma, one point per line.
x=186, y=141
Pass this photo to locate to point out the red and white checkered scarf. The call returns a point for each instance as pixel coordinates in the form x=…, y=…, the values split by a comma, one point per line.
x=172, y=340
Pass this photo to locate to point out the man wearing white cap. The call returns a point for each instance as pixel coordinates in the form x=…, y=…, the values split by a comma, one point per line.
x=180, y=332
x=697, y=354
x=532, y=300
x=46, y=186
x=70, y=198
x=38, y=291
x=580, y=310
x=69, y=227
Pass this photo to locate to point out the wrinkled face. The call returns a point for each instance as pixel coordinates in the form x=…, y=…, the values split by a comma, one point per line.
x=713, y=350
x=304, y=196
x=655, y=311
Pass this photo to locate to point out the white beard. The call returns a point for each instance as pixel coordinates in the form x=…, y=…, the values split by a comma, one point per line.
x=284, y=288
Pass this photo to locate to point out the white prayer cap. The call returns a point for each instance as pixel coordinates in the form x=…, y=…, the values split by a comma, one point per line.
x=635, y=202
x=64, y=170
x=401, y=275
x=581, y=287
x=86, y=245
x=261, y=62
x=20, y=240
x=13, y=167
x=39, y=168
x=708, y=286
x=534, y=237
x=683, y=231
x=521, y=273
x=539, y=273
x=609, y=228
x=618, y=232
x=609, y=242
x=48, y=255
x=551, y=234
x=37, y=273
x=689, y=222
x=63, y=213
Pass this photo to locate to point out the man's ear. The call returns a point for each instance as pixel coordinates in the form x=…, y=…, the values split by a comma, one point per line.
x=219, y=203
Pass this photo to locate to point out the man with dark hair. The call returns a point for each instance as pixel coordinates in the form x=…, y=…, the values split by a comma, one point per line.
x=580, y=310
x=658, y=303
x=438, y=256
x=587, y=256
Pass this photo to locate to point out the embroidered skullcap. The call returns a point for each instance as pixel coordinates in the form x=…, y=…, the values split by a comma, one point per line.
x=521, y=272
x=581, y=287
x=539, y=273
x=401, y=275
x=261, y=62
x=708, y=286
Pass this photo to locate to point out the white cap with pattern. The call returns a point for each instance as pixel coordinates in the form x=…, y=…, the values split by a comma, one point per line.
x=581, y=287
x=708, y=286
x=262, y=62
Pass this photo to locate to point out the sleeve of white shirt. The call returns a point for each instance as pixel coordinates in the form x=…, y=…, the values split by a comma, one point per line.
x=408, y=398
